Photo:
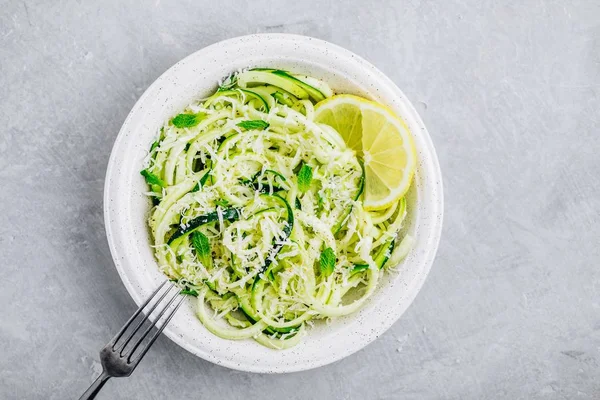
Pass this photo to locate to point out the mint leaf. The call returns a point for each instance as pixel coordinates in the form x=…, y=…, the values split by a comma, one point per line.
x=187, y=120
x=202, y=246
x=254, y=124
x=152, y=179
x=304, y=178
x=191, y=292
x=327, y=261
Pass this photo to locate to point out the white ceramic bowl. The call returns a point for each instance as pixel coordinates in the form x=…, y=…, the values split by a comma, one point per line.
x=126, y=207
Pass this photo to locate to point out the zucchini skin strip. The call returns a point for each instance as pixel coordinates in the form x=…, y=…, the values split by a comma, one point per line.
x=230, y=214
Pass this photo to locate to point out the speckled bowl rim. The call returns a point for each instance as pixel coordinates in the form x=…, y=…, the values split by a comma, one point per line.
x=129, y=241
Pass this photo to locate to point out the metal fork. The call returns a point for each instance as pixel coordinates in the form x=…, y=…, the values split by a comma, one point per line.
x=117, y=358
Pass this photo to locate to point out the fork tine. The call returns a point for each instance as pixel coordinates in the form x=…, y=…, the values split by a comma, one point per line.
x=139, y=310
x=156, y=320
x=157, y=333
x=121, y=348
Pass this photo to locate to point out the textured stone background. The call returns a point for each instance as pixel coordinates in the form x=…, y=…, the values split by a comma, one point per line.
x=510, y=91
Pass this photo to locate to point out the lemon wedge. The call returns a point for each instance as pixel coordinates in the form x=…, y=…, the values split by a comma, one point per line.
x=380, y=138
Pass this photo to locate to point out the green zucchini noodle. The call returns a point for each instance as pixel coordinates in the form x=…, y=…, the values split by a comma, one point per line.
x=257, y=211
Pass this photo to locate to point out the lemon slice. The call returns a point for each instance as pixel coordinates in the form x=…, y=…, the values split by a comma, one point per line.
x=380, y=138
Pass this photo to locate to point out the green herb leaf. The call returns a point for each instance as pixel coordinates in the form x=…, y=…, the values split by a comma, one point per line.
x=327, y=261
x=196, y=187
x=190, y=292
x=202, y=246
x=304, y=178
x=254, y=124
x=154, y=145
x=152, y=179
x=298, y=204
x=187, y=120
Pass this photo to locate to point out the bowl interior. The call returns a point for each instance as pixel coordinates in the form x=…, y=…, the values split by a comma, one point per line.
x=126, y=206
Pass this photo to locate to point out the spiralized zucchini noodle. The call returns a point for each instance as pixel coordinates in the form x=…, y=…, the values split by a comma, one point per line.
x=257, y=211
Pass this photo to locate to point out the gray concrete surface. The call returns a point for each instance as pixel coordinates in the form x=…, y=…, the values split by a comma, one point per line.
x=510, y=91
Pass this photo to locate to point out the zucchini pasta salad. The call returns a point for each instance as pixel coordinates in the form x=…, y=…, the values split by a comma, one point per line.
x=277, y=203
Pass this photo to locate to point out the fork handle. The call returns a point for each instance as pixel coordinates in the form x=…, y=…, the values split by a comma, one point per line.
x=95, y=387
